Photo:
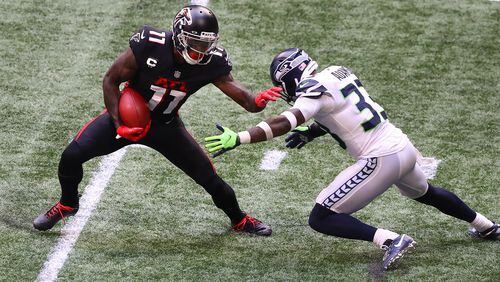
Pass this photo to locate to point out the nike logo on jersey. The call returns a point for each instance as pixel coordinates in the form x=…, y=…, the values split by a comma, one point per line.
x=142, y=35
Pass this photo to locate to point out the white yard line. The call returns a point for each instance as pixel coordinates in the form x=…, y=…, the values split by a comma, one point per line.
x=73, y=228
x=272, y=159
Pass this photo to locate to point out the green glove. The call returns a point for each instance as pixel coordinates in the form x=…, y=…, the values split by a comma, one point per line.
x=220, y=144
x=301, y=128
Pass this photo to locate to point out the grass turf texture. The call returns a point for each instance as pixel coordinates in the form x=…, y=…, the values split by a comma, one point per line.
x=433, y=65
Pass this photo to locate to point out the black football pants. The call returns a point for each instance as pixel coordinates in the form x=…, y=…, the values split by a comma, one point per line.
x=172, y=140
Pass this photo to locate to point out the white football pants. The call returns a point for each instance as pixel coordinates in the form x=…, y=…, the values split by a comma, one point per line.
x=359, y=184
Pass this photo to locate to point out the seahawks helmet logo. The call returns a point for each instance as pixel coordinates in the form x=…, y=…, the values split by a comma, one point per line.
x=290, y=63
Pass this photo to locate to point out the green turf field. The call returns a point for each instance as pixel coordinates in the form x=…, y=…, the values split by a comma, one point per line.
x=433, y=65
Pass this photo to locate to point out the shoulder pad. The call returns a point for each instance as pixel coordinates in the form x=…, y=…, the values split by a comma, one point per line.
x=220, y=55
x=310, y=88
x=139, y=35
x=147, y=34
x=340, y=72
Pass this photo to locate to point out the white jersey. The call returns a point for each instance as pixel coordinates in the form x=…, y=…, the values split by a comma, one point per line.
x=337, y=101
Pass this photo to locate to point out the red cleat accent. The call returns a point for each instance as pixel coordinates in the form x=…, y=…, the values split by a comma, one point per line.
x=253, y=226
x=56, y=213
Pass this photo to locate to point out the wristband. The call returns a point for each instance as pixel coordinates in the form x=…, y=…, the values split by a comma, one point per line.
x=244, y=137
x=267, y=129
x=291, y=118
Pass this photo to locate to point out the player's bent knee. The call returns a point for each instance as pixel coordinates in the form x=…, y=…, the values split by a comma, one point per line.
x=72, y=156
x=428, y=196
x=318, y=216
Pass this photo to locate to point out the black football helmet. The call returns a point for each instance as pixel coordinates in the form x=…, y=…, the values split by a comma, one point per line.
x=288, y=68
x=196, y=33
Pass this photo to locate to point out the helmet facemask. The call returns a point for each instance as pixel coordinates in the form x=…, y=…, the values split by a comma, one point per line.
x=196, y=47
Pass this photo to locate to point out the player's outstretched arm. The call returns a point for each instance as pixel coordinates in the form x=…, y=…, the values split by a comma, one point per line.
x=266, y=130
x=123, y=69
x=236, y=91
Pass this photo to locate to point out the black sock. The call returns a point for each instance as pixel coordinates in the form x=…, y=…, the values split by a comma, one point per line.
x=448, y=203
x=224, y=198
x=342, y=225
x=69, y=189
x=70, y=174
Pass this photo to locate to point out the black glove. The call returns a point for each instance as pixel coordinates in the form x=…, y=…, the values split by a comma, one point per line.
x=302, y=135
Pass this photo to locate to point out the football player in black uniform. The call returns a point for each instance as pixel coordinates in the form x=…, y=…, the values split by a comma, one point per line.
x=165, y=67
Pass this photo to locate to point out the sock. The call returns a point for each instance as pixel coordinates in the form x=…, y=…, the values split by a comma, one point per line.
x=481, y=223
x=70, y=174
x=448, y=203
x=382, y=235
x=224, y=198
x=69, y=190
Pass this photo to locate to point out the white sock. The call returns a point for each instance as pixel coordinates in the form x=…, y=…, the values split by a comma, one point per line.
x=381, y=235
x=481, y=223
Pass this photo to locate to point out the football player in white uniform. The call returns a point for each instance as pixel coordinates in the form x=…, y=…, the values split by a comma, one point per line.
x=337, y=101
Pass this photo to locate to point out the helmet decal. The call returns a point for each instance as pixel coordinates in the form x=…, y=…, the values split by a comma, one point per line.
x=289, y=68
x=183, y=17
x=290, y=63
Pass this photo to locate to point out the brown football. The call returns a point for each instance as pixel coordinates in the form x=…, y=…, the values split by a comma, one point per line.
x=133, y=109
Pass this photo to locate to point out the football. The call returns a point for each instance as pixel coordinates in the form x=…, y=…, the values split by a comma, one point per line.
x=133, y=109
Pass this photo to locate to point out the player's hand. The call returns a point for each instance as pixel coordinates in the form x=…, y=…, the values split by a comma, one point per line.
x=134, y=134
x=271, y=94
x=219, y=144
x=301, y=135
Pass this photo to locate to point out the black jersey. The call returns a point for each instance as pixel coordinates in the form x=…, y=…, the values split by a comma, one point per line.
x=164, y=84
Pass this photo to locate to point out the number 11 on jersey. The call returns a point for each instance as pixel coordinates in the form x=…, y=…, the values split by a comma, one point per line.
x=158, y=96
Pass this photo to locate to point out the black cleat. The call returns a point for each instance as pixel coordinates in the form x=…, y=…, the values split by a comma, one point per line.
x=253, y=226
x=492, y=233
x=397, y=248
x=58, y=212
